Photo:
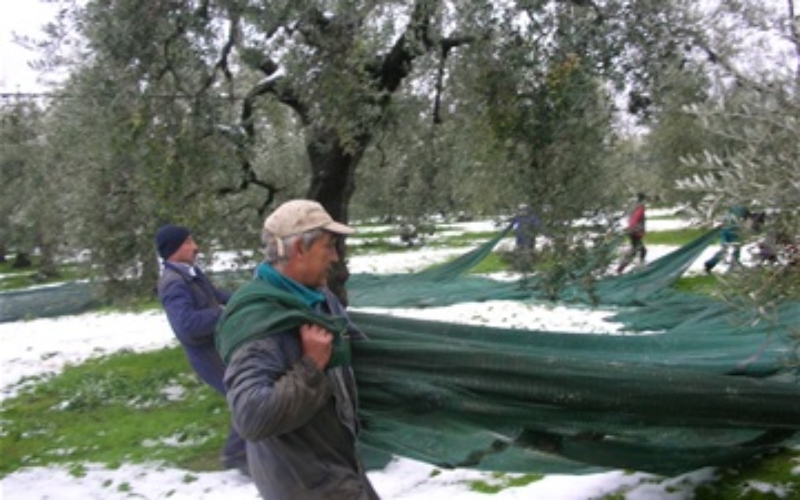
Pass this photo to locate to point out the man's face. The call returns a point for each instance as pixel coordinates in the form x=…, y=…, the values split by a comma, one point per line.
x=186, y=253
x=315, y=261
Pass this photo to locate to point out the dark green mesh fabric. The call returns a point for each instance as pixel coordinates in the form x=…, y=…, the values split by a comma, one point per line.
x=644, y=284
x=45, y=302
x=448, y=284
x=692, y=382
x=436, y=286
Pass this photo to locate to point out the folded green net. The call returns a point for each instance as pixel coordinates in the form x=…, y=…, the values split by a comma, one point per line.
x=692, y=382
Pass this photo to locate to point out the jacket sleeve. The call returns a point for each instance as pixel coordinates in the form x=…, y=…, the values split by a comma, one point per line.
x=269, y=394
x=636, y=221
x=222, y=296
x=192, y=325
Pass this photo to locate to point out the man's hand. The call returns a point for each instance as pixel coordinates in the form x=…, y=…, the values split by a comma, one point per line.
x=317, y=344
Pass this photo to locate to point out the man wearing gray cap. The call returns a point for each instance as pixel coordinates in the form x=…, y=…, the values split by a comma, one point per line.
x=291, y=389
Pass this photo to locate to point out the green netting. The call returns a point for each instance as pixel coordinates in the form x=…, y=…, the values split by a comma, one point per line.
x=460, y=265
x=434, y=287
x=76, y=297
x=448, y=284
x=646, y=283
x=454, y=394
x=49, y=301
x=693, y=382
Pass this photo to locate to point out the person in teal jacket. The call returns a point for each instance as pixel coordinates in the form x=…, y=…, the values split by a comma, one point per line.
x=730, y=237
x=290, y=386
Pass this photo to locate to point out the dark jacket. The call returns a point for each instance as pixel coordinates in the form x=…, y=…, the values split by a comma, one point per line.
x=526, y=226
x=193, y=306
x=300, y=422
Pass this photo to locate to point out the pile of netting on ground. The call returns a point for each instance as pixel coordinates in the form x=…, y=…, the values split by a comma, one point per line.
x=691, y=382
x=75, y=297
x=47, y=301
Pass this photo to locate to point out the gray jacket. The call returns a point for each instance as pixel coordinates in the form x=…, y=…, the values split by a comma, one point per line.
x=300, y=422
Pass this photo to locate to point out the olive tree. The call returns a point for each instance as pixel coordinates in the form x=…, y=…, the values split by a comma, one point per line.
x=192, y=92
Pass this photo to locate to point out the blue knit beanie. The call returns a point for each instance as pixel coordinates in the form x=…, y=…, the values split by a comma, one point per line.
x=169, y=239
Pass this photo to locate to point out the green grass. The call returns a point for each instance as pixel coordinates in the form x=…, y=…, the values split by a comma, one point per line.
x=15, y=279
x=674, y=237
x=493, y=263
x=501, y=481
x=698, y=284
x=774, y=470
x=464, y=239
x=114, y=410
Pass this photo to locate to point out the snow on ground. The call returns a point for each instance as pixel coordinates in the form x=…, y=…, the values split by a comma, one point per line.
x=408, y=261
x=44, y=346
x=402, y=479
x=506, y=314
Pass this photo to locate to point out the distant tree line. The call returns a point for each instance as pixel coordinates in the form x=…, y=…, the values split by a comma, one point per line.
x=210, y=113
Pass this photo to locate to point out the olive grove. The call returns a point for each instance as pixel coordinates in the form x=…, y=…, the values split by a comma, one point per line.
x=209, y=112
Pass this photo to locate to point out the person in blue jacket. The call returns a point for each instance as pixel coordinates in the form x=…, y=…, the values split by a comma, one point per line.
x=730, y=238
x=526, y=226
x=193, y=305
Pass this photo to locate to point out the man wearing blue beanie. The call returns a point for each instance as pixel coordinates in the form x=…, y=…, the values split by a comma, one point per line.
x=193, y=304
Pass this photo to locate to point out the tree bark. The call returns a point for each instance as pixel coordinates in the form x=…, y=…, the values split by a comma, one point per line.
x=333, y=167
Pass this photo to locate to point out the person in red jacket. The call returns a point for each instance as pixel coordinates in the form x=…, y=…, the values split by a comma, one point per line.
x=635, y=230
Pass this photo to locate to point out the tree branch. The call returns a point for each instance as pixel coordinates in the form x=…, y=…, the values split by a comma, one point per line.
x=445, y=46
x=415, y=41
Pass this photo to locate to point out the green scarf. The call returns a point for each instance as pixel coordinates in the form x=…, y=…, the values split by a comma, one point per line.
x=260, y=308
x=311, y=297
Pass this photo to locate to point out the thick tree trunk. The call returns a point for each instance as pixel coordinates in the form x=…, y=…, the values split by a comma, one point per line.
x=22, y=261
x=332, y=185
x=47, y=263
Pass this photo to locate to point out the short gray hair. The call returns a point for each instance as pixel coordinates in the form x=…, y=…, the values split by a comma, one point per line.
x=276, y=249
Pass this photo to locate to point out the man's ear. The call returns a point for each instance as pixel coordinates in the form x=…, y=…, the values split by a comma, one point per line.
x=297, y=247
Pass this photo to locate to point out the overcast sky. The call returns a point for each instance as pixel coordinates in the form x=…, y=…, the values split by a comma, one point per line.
x=21, y=18
x=26, y=17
